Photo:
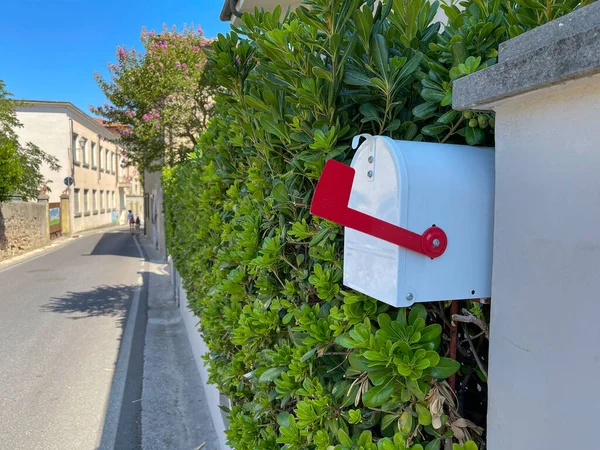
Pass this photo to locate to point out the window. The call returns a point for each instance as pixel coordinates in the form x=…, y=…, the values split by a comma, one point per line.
x=74, y=145
x=86, y=205
x=107, y=200
x=94, y=203
x=93, y=152
x=76, y=202
x=113, y=200
x=100, y=158
x=84, y=152
x=101, y=198
x=106, y=166
x=112, y=162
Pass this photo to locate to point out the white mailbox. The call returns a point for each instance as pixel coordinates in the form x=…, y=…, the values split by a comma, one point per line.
x=433, y=205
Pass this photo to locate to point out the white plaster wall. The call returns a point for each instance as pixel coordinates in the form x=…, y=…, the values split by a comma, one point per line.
x=199, y=348
x=156, y=230
x=48, y=128
x=267, y=5
x=545, y=336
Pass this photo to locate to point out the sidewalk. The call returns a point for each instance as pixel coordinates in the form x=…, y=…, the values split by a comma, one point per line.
x=175, y=413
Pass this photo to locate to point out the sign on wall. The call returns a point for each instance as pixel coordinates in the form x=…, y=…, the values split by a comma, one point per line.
x=55, y=225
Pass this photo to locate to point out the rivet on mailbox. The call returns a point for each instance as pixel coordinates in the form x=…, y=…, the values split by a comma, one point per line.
x=418, y=218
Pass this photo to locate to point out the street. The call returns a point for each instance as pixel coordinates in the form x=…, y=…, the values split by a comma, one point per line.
x=62, y=318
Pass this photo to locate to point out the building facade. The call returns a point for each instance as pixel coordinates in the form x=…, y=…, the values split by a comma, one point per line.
x=131, y=189
x=86, y=152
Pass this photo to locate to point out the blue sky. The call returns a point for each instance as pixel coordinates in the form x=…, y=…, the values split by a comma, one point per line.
x=49, y=49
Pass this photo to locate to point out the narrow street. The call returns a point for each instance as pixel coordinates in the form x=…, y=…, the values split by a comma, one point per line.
x=62, y=319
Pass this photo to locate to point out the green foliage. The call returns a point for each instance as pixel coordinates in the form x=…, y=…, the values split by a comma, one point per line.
x=306, y=363
x=161, y=96
x=20, y=165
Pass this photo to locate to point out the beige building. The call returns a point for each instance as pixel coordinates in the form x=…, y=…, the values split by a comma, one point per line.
x=131, y=189
x=86, y=152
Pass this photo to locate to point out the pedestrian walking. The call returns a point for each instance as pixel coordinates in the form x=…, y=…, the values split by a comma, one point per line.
x=137, y=225
x=131, y=221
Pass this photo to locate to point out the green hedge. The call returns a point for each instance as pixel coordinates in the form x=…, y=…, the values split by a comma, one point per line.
x=306, y=362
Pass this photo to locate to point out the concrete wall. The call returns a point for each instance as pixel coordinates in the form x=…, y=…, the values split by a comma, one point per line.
x=23, y=227
x=544, y=353
x=155, y=218
x=546, y=277
x=199, y=348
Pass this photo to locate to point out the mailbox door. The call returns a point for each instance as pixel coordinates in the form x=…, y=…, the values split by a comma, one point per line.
x=451, y=186
x=380, y=189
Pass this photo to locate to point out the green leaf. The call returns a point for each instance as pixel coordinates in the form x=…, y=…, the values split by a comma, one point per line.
x=358, y=362
x=430, y=332
x=387, y=420
x=447, y=100
x=415, y=388
x=474, y=136
x=272, y=127
x=434, y=129
x=280, y=193
x=309, y=354
x=432, y=95
x=354, y=78
x=470, y=445
x=445, y=368
x=433, y=445
x=425, y=110
x=411, y=66
x=365, y=438
x=394, y=125
x=370, y=111
x=424, y=416
x=379, y=50
x=378, y=395
x=459, y=52
x=344, y=438
x=321, y=73
x=271, y=374
x=417, y=311
x=363, y=19
x=448, y=117
x=283, y=418
x=405, y=423
x=257, y=104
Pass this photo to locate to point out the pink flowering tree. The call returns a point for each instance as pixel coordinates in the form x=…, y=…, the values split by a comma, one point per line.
x=160, y=95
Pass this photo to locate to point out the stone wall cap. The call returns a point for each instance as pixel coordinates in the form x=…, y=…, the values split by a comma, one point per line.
x=571, y=24
x=539, y=58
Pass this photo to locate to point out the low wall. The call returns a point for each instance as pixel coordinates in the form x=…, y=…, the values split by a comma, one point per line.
x=199, y=348
x=23, y=227
x=543, y=350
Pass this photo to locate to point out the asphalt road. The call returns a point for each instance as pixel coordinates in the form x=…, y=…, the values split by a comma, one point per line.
x=62, y=317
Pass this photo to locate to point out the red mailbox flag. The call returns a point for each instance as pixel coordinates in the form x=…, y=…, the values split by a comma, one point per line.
x=331, y=202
